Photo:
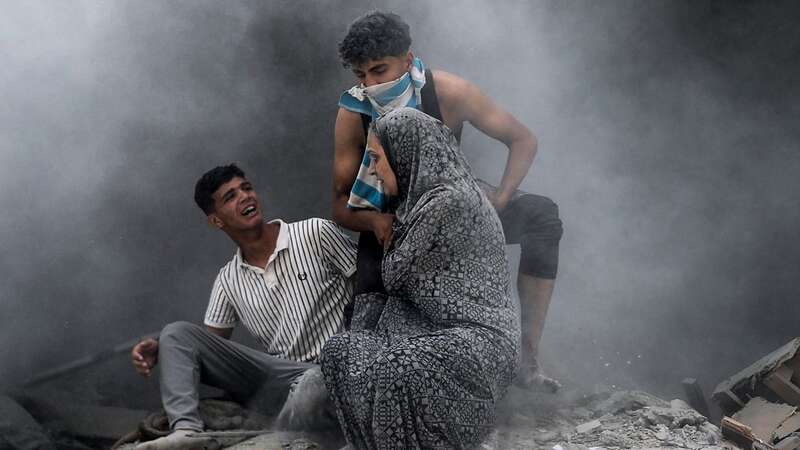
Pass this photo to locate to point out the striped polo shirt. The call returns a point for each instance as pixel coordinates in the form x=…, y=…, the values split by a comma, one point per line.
x=297, y=302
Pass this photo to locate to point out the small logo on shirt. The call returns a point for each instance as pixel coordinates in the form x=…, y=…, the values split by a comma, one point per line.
x=302, y=276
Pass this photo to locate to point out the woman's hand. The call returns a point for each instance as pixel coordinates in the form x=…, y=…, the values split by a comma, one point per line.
x=382, y=227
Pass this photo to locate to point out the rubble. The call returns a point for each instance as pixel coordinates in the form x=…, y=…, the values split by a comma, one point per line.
x=588, y=426
x=606, y=420
x=769, y=377
x=19, y=430
x=764, y=417
x=762, y=401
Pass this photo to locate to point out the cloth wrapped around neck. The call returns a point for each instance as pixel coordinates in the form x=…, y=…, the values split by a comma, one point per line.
x=374, y=101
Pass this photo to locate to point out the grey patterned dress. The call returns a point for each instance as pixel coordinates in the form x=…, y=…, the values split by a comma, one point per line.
x=425, y=366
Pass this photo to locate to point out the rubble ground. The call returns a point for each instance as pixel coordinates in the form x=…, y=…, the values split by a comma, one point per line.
x=573, y=420
x=610, y=420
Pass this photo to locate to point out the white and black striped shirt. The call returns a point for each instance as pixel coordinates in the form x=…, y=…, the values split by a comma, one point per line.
x=294, y=305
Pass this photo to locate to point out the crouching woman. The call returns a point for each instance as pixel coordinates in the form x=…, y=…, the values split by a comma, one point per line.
x=429, y=372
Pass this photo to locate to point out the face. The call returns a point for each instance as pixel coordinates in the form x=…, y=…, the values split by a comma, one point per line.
x=377, y=71
x=236, y=206
x=379, y=165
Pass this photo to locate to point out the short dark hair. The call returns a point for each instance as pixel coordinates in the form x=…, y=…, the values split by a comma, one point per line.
x=210, y=182
x=374, y=35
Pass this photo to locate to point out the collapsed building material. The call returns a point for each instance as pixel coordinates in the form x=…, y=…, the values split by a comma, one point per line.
x=763, y=417
x=780, y=382
x=695, y=396
x=764, y=398
x=789, y=426
x=106, y=423
x=772, y=377
x=789, y=443
x=738, y=433
x=19, y=430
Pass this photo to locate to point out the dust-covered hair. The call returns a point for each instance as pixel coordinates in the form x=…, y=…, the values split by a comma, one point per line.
x=374, y=35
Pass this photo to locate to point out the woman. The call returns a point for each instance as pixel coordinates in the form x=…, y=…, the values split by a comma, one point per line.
x=429, y=370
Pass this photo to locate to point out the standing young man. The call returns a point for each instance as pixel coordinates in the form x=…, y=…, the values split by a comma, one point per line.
x=377, y=48
x=288, y=283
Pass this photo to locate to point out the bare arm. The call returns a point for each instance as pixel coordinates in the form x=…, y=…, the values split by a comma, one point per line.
x=463, y=101
x=349, y=141
x=224, y=333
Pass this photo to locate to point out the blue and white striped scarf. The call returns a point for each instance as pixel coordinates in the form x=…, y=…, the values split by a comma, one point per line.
x=374, y=101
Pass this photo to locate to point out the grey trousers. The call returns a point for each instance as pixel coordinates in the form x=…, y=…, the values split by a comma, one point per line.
x=189, y=355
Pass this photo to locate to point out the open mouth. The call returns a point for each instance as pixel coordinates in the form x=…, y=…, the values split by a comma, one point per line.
x=249, y=211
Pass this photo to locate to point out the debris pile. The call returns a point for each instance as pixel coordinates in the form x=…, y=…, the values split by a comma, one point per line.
x=761, y=401
x=619, y=420
x=759, y=405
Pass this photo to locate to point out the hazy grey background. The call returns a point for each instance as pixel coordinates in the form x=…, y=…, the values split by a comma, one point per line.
x=668, y=136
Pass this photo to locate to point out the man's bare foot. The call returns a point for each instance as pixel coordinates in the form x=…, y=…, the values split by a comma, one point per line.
x=179, y=440
x=530, y=376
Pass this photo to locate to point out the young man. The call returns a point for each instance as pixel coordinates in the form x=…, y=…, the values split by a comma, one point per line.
x=377, y=50
x=288, y=283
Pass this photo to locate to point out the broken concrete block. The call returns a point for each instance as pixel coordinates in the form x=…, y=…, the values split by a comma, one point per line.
x=679, y=404
x=764, y=417
x=696, y=397
x=588, y=426
x=789, y=426
x=732, y=393
x=789, y=443
x=780, y=382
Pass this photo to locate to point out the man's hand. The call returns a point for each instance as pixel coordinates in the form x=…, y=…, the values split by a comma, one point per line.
x=145, y=356
x=382, y=227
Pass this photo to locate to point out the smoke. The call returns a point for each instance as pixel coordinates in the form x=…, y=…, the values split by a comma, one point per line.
x=665, y=134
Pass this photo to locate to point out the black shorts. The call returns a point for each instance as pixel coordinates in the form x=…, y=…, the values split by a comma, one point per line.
x=532, y=222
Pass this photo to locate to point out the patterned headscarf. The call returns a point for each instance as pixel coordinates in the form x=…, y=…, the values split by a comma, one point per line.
x=446, y=228
x=425, y=157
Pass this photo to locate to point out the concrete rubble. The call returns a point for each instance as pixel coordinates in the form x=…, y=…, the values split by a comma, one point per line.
x=570, y=420
x=760, y=406
x=761, y=401
x=610, y=420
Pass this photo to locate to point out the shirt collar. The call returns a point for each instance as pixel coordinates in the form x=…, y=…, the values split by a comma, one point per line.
x=281, y=243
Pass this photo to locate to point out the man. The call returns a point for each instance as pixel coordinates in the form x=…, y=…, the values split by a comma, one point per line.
x=288, y=283
x=377, y=50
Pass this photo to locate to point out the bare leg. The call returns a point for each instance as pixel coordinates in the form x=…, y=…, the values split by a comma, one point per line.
x=535, y=294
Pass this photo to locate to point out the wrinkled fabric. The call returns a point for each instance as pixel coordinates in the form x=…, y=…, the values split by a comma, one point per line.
x=424, y=366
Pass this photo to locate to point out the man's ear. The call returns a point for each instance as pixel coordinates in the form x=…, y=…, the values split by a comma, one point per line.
x=215, y=221
x=409, y=59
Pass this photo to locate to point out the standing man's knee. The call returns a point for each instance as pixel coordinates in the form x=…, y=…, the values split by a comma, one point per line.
x=541, y=217
x=540, y=237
